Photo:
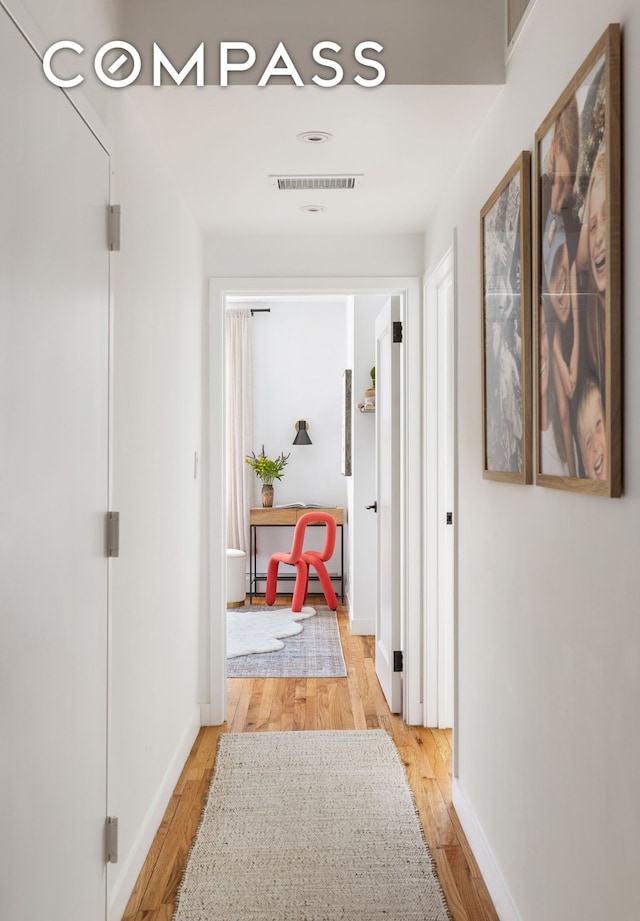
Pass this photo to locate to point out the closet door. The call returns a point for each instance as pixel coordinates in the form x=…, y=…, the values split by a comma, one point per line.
x=54, y=340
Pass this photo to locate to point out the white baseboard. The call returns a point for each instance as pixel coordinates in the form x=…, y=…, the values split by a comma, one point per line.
x=359, y=626
x=130, y=870
x=362, y=626
x=494, y=881
x=208, y=716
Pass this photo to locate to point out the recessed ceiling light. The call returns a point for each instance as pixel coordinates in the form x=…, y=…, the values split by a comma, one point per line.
x=313, y=209
x=314, y=137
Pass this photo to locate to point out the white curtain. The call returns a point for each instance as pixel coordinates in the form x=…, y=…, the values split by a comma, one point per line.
x=239, y=382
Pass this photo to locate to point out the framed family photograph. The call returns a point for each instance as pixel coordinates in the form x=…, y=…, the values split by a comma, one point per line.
x=577, y=281
x=505, y=222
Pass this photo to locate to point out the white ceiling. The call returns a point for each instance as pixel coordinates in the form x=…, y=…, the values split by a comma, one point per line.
x=221, y=145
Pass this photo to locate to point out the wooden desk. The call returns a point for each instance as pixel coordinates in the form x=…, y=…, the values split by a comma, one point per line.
x=287, y=518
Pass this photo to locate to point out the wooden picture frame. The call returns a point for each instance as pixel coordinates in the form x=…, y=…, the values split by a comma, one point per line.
x=577, y=280
x=505, y=234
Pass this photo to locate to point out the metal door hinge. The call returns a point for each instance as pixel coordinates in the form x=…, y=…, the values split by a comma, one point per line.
x=111, y=839
x=113, y=227
x=397, y=330
x=113, y=533
x=398, y=661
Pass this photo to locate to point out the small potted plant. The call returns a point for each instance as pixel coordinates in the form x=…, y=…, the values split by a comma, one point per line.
x=268, y=470
x=370, y=392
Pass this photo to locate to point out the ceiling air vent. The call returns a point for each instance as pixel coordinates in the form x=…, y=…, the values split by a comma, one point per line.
x=315, y=183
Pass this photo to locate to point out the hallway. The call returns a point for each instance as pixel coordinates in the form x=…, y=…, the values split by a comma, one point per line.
x=295, y=704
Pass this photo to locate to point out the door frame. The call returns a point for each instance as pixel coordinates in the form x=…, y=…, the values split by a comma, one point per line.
x=436, y=281
x=388, y=363
x=409, y=288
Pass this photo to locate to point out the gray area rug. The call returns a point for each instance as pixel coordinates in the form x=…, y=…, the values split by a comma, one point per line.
x=310, y=826
x=316, y=652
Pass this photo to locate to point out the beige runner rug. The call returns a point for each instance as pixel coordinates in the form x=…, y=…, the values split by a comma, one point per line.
x=310, y=826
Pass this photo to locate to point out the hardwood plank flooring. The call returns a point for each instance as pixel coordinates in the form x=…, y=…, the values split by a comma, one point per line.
x=354, y=702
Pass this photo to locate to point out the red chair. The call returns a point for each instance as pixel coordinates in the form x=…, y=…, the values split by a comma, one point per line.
x=302, y=560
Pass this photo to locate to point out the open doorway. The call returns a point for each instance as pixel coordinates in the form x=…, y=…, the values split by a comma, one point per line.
x=409, y=290
x=284, y=375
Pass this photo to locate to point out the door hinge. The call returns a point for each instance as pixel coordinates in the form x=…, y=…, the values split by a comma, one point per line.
x=397, y=330
x=111, y=839
x=398, y=661
x=113, y=227
x=113, y=533
x=449, y=517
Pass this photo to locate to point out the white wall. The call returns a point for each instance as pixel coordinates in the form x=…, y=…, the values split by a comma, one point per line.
x=362, y=532
x=90, y=22
x=310, y=256
x=299, y=357
x=157, y=409
x=548, y=582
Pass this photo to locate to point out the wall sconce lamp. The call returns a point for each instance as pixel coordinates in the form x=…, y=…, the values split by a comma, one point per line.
x=302, y=433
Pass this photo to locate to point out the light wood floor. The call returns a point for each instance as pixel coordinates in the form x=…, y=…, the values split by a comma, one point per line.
x=354, y=702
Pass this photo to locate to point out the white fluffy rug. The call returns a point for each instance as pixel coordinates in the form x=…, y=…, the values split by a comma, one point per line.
x=310, y=826
x=260, y=631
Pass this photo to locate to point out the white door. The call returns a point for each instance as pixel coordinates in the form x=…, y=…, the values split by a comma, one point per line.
x=388, y=614
x=54, y=338
x=439, y=420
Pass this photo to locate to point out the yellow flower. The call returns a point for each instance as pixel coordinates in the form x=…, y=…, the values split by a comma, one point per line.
x=267, y=469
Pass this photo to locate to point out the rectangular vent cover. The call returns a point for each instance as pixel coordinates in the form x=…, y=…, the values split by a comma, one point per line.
x=304, y=183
